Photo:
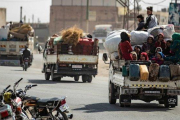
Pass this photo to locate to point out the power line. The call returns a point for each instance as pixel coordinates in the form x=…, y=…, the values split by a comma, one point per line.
x=153, y=3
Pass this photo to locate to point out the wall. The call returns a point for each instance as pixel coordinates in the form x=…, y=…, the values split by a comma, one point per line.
x=67, y=16
x=2, y=16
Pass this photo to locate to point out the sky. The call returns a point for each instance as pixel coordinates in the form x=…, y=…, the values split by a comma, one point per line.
x=41, y=8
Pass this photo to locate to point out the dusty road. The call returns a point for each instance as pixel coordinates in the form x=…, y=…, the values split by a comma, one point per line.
x=88, y=101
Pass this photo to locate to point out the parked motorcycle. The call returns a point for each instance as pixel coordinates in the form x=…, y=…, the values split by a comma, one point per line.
x=15, y=102
x=26, y=64
x=5, y=109
x=49, y=109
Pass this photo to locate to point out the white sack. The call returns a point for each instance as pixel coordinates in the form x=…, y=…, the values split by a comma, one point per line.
x=168, y=30
x=138, y=37
x=113, y=40
x=113, y=55
x=4, y=33
x=155, y=31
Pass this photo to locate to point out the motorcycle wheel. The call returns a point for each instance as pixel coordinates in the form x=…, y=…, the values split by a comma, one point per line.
x=58, y=115
x=26, y=66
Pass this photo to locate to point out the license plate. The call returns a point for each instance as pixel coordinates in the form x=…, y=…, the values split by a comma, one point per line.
x=76, y=66
x=64, y=107
x=152, y=92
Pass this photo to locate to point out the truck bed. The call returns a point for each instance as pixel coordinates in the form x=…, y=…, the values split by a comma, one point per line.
x=75, y=59
x=119, y=80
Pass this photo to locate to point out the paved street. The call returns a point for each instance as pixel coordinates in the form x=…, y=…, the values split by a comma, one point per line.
x=88, y=101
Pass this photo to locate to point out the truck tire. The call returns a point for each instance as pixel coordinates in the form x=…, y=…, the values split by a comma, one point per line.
x=120, y=104
x=89, y=78
x=84, y=78
x=47, y=76
x=76, y=78
x=52, y=75
x=161, y=101
x=112, y=99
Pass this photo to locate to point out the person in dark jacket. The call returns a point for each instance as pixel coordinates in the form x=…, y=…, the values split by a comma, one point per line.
x=149, y=46
x=167, y=50
x=151, y=20
x=125, y=46
x=141, y=23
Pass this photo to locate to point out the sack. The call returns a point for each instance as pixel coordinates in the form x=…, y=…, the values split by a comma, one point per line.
x=144, y=74
x=153, y=71
x=138, y=37
x=3, y=33
x=174, y=72
x=155, y=31
x=164, y=73
x=134, y=72
x=113, y=40
x=168, y=30
x=18, y=35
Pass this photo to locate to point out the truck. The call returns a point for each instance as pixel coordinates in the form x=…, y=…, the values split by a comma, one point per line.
x=72, y=61
x=12, y=46
x=122, y=88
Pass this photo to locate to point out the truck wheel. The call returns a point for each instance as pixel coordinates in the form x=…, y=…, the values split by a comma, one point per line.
x=84, y=78
x=89, y=78
x=112, y=99
x=120, y=104
x=52, y=75
x=47, y=75
x=76, y=78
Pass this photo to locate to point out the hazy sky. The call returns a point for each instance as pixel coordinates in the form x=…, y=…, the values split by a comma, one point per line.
x=41, y=8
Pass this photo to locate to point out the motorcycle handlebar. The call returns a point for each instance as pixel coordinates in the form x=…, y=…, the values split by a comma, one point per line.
x=6, y=88
x=33, y=85
x=18, y=81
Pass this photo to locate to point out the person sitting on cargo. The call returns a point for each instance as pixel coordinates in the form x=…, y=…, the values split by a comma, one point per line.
x=151, y=20
x=134, y=55
x=138, y=51
x=125, y=46
x=159, y=58
x=144, y=56
x=141, y=23
x=175, y=48
x=160, y=42
x=149, y=46
x=167, y=50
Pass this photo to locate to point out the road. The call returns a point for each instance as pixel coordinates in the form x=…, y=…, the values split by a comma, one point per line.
x=87, y=101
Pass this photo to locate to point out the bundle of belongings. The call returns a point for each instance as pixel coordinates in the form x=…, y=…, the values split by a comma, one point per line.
x=137, y=38
x=20, y=32
x=72, y=41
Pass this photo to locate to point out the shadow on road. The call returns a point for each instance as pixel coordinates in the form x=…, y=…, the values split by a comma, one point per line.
x=141, y=107
x=40, y=81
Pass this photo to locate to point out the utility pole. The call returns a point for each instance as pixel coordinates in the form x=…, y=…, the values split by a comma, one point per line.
x=33, y=18
x=176, y=1
x=87, y=16
x=21, y=13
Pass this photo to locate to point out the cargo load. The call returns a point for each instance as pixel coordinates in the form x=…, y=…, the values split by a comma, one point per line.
x=138, y=37
x=134, y=72
x=175, y=72
x=144, y=73
x=164, y=73
x=153, y=71
x=113, y=40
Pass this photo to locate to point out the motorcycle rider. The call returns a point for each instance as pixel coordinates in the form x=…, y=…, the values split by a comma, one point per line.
x=26, y=53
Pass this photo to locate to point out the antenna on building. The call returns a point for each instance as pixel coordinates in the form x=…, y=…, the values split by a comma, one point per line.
x=21, y=13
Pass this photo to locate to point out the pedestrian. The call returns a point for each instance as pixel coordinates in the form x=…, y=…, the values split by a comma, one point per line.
x=125, y=46
x=151, y=20
x=141, y=23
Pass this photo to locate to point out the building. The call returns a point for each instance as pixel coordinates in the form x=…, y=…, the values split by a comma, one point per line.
x=2, y=16
x=67, y=13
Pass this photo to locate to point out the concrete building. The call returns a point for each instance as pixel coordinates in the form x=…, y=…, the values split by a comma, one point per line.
x=67, y=13
x=2, y=16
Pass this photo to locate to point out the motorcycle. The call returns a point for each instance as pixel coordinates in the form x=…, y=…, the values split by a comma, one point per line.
x=49, y=109
x=26, y=64
x=15, y=102
x=5, y=109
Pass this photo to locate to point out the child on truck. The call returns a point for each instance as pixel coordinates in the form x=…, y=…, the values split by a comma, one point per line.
x=144, y=56
x=159, y=58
